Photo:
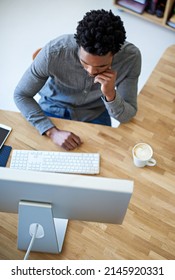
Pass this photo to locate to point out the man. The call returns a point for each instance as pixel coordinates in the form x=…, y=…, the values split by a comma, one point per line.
x=89, y=76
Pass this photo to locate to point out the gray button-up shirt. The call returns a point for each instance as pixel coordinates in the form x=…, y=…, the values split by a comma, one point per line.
x=58, y=76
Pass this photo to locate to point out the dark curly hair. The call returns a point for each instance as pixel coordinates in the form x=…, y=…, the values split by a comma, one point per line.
x=100, y=32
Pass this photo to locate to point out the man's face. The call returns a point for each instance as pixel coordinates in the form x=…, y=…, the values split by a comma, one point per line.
x=95, y=64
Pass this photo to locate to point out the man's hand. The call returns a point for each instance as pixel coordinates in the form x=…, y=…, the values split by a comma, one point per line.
x=107, y=80
x=65, y=139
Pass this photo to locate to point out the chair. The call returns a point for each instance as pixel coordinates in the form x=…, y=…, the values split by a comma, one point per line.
x=35, y=53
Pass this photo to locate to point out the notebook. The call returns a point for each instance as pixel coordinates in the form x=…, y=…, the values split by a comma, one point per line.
x=4, y=155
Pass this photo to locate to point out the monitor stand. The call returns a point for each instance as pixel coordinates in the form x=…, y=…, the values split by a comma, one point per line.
x=51, y=231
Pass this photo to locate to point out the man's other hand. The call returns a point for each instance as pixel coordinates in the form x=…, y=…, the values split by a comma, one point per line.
x=107, y=80
x=65, y=139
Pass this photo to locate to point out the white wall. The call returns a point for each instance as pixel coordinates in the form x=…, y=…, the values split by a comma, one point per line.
x=26, y=25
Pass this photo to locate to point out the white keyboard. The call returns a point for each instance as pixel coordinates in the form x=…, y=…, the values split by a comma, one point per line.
x=61, y=162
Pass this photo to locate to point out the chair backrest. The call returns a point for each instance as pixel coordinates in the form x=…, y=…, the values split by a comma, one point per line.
x=35, y=53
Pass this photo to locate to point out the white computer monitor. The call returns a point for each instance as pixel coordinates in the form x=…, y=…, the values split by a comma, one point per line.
x=51, y=199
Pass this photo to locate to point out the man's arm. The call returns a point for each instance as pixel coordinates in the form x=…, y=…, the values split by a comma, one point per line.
x=30, y=84
x=121, y=100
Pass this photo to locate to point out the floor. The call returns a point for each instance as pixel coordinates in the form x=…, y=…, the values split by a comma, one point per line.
x=27, y=25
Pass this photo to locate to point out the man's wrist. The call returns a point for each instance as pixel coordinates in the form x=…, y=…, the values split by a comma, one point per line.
x=111, y=97
x=50, y=131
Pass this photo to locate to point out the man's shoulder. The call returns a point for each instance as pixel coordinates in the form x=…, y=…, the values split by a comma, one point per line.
x=63, y=41
x=129, y=49
x=128, y=52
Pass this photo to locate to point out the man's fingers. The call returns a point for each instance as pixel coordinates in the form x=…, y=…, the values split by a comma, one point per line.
x=71, y=142
x=76, y=139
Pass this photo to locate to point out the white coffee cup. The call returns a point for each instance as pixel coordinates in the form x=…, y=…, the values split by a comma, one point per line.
x=142, y=155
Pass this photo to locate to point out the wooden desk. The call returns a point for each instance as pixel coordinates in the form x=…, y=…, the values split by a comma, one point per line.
x=148, y=231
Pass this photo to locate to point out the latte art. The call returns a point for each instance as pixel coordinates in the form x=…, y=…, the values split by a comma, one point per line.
x=143, y=152
x=142, y=155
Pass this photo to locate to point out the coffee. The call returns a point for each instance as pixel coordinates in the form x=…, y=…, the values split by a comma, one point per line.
x=143, y=152
x=142, y=155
